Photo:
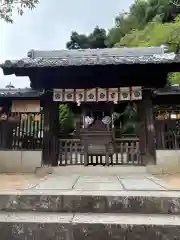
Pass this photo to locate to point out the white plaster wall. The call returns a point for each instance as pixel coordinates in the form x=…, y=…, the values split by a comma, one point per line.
x=20, y=161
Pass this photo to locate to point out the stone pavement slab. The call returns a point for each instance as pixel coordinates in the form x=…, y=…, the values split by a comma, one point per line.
x=103, y=183
x=88, y=183
x=170, y=182
x=98, y=186
x=10, y=182
x=140, y=184
x=100, y=179
x=96, y=183
x=58, y=182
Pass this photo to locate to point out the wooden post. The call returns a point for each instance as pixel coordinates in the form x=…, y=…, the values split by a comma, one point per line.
x=46, y=133
x=54, y=120
x=51, y=130
x=142, y=130
x=150, y=129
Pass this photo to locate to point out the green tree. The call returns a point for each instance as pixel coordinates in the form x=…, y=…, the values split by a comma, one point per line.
x=7, y=7
x=141, y=13
x=97, y=39
x=66, y=119
x=77, y=41
x=156, y=34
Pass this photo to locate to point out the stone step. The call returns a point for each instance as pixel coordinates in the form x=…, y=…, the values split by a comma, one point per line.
x=144, y=202
x=51, y=226
x=98, y=170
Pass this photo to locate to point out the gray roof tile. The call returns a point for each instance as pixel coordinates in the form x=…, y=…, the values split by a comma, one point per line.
x=91, y=57
x=19, y=92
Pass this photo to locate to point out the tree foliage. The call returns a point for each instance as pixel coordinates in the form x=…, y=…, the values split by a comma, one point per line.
x=141, y=14
x=7, y=7
x=154, y=34
x=97, y=39
x=66, y=117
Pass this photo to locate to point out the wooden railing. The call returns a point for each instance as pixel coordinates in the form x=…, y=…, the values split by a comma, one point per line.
x=125, y=151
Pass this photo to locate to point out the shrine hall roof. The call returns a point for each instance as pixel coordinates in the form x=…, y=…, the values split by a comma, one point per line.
x=90, y=57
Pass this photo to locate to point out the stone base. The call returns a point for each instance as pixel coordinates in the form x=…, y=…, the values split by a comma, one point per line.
x=91, y=227
x=76, y=202
x=13, y=161
x=168, y=161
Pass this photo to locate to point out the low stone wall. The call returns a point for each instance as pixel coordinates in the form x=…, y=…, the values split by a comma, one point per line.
x=13, y=161
x=167, y=161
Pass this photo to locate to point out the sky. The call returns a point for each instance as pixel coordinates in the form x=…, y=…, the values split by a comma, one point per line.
x=49, y=26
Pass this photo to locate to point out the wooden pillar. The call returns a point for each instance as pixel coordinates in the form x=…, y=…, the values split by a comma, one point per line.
x=142, y=130
x=54, y=123
x=150, y=129
x=46, y=132
x=51, y=131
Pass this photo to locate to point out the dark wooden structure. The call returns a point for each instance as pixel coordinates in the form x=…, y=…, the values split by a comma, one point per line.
x=20, y=130
x=96, y=68
x=167, y=117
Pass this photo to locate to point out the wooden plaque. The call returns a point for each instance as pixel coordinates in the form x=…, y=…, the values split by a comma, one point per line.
x=25, y=106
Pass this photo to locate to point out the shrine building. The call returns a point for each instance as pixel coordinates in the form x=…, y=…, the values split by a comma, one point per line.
x=90, y=107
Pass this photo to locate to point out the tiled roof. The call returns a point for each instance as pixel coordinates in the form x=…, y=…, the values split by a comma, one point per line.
x=91, y=57
x=168, y=90
x=30, y=93
x=19, y=92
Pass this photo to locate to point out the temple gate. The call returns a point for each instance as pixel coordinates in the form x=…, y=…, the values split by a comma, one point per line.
x=99, y=87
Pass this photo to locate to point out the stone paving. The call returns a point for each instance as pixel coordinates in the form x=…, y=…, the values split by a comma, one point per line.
x=104, y=183
x=82, y=206
x=11, y=182
x=76, y=183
